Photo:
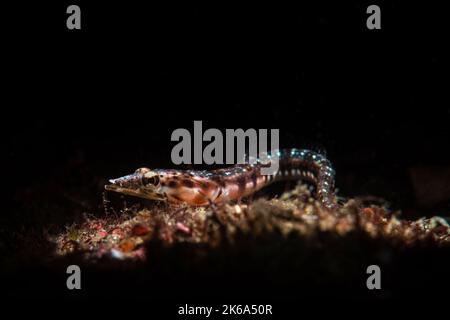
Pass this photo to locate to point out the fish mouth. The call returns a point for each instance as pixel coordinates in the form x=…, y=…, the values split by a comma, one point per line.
x=139, y=192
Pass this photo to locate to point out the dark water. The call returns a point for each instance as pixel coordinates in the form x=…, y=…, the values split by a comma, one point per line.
x=82, y=107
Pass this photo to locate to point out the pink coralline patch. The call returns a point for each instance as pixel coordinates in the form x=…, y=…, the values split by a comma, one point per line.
x=101, y=234
x=139, y=254
x=95, y=225
x=118, y=232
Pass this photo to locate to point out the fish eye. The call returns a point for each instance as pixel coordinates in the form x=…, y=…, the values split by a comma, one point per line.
x=150, y=181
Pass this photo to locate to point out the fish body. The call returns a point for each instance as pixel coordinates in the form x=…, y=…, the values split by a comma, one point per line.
x=201, y=187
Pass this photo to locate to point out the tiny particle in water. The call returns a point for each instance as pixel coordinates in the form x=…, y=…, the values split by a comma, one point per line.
x=116, y=254
x=182, y=227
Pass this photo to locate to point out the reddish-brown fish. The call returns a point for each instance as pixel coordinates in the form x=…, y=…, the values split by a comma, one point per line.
x=200, y=188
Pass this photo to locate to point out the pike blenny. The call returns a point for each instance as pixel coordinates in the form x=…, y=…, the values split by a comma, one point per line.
x=200, y=188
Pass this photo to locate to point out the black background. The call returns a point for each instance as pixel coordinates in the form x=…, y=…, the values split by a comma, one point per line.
x=91, y=104
x=374, y=100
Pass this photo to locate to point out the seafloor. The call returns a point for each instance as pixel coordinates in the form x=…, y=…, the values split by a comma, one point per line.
x=279, y=247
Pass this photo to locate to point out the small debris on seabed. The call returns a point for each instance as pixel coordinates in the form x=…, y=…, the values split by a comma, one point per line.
x=294, y=212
